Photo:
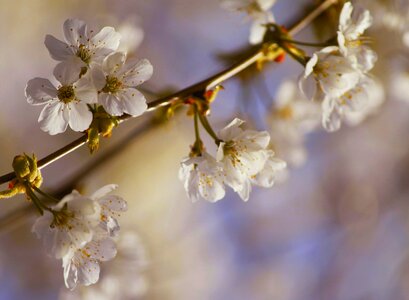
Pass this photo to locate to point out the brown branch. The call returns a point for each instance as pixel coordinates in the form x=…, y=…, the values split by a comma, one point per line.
x=202, y=86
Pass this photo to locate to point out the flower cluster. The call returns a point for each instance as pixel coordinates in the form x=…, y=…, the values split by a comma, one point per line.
x=90, y=73
x=292, y=117
x=80, y=230
x=242, y=159
x=258, y=11
x=121, y=278
x=338, y=75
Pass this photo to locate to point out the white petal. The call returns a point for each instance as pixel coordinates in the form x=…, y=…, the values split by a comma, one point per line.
x=111, y=104
x=266, y=4
x=75, y=31
x=98, y=77
x=232, y=130
x=88, y=272
x=39, y=91
x=67, y=72
x=105, y=41
x=85, y=90
x=113, y=62
x=308, y=86
x=102, y=250
x=331, y=118
x=245, y=190
x=257, y=32
x=58, y=50
x=105, y=190
x=54, y=118
x=133, y=102
x=114, y=203
x=70, y=273
x=137, y=73
x=80, y=117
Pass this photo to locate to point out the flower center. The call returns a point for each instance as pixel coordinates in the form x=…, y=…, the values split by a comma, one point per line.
x=231, y=150
x=112, y=85
x=285, y=112
x=66, y=93
x=84, y=54
x=62, y=218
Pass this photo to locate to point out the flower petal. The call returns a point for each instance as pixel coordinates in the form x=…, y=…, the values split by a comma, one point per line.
x=40, y=91
x=111, y=104
x=67, y=72
x=133, y=102
x=105, y=41
x=137, y=73
x=105, y=190
x=54, y=118
x=80, y=117
x=75, y=31
x=58, y=50
x=113, y=62
x=85, y=91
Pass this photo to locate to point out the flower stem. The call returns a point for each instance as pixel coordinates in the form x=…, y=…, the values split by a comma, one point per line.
x=53, y=199
x=37, y=203
x=206, y=125
x=206, y=84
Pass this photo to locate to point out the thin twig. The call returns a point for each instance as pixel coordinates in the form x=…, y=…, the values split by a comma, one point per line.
x=202, y=86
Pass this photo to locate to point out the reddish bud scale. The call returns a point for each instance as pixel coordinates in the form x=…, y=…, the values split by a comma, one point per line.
x=280, y=58
x=189, y=101
x=11, y=184
x=209, y=94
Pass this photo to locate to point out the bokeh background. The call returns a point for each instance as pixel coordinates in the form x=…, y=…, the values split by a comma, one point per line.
x=337, y=228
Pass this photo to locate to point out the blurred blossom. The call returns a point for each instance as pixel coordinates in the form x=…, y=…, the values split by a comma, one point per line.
x=292, y=117
x=131, y=35
x=122, y=278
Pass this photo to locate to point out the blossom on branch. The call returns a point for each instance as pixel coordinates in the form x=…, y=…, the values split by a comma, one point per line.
x=116, y=80
x=79, y=231
x=202, y=177
x=82, y=46
x=352, y=25
x=292, y=117
x=258, y=11
x=245, y=158
x=65, y=104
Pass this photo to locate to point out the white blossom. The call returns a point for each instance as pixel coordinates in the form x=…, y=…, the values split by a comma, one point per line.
x=117, y=79
x=111, y=208
x=65, y=104
x=70, y=226
x=292, y=117
x=131, y=36
x=258, y=11
x=81, y=266
x=120, y=279
x=328, y=73
x=352, y=24
x=354, y=105
x=202, y=177
x=246, y=159
x=82, y=46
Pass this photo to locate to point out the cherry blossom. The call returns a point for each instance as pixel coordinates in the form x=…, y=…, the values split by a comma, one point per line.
x=202, y=177
x=69, y=226
x=352, y=24
x=82, y=46
x=81, y=266
x=65, y=104
x=117, y=79
x=258, y=11
x=292, y=117
x=246, y=159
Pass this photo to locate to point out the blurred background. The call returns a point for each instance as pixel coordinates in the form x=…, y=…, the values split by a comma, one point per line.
x=336, y=227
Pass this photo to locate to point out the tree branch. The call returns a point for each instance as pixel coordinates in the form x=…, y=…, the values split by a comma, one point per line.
x=202, y=86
